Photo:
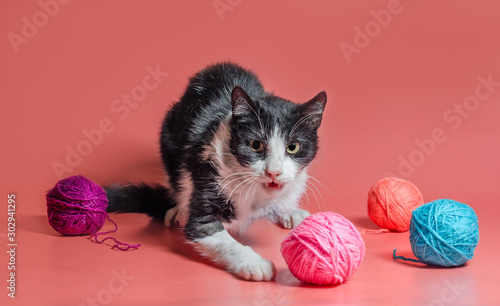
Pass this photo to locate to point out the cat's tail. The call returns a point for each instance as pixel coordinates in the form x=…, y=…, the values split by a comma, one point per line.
x=141, y=198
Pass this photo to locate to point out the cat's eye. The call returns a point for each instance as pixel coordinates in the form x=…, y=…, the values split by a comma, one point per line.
x=293, y=148
x=256, y=146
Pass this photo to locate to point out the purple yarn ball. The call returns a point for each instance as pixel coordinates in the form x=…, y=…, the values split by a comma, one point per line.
x=77, y=206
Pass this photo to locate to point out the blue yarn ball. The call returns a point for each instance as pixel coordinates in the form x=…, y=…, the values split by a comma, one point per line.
x=444, y=233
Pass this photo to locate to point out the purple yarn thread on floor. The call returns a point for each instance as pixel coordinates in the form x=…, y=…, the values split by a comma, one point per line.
x=77, y=206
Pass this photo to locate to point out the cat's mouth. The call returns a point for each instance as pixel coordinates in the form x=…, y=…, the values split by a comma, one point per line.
x=272, y=186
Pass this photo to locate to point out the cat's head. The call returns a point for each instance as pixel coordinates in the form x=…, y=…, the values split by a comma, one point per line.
x=273, y=138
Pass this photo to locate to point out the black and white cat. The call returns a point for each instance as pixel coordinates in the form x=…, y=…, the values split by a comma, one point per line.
x=234, y=154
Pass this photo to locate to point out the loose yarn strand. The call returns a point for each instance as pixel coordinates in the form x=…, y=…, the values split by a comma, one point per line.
x=394, y=256
x=374, y=231
x=118, y=245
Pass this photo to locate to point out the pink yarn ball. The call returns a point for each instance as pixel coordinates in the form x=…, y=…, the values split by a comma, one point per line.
x=76, y=206
x=391, y=202
x=325, y=249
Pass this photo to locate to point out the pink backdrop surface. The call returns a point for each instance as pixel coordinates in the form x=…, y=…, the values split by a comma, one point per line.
x=413, y=89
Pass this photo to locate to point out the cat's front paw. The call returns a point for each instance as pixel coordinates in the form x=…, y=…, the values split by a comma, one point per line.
x=293, y=218
x=260, y=270
x=254, y=268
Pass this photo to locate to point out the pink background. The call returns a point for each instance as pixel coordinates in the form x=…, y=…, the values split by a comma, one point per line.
x=406, y=99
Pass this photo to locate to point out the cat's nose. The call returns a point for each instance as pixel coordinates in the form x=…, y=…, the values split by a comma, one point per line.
x=273, y=174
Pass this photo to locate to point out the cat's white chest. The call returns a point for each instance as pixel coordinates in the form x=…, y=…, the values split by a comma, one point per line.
x=261, y=205
x=244, y=217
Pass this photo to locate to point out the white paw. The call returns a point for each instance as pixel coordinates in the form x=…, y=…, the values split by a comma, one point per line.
x=293, y=218
x=253, y=267
x=176, y=217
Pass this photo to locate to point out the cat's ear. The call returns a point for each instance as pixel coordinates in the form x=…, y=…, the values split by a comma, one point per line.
x=312, y=111
x=242, y=103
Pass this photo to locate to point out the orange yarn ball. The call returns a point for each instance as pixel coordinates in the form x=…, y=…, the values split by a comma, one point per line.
x=391, y=202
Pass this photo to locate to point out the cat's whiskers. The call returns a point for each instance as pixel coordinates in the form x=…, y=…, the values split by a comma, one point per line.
x=254, y=186
x=234, y=189
x=215, y=152
x=307, y=198
x=322, y=185
x=225, y=186
x=226, y=145
x=221, y=209
x=238, y=178
x=247, y=184
x=314, y=194
x=298, y=123
x=258, y=118
x=257, y=132
x=229, y=154
x=250, y=188
x=294, y=184
x=233, y=174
